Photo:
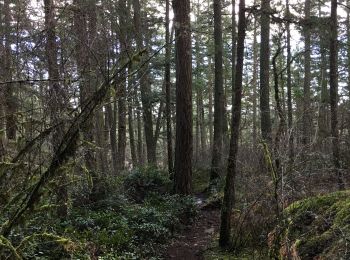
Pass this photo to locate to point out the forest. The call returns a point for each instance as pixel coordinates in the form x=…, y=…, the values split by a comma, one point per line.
x=182, y=129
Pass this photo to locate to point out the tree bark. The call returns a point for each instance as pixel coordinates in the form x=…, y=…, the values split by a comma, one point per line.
x=168, y=89
x=229, y=192
x=348, y=57
x=323, y=124
x=265, y=72
x=8, y=71
x=131, y=120
x=183, y=147
x=57, y=99
x=145, y=87
x=289, y=89
x=333, y=80
x=112, y=122
x=122, y=10
x=307, y=77
x=218, y=96
x=255, y=82
x=95, y=75
x=210, y=104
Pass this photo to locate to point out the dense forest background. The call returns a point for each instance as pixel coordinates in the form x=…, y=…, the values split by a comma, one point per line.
x=124, y=122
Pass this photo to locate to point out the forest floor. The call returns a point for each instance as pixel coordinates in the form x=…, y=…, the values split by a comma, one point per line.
x=193, y=241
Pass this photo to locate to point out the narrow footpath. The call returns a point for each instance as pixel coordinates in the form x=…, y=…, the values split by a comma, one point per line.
x=194, y=240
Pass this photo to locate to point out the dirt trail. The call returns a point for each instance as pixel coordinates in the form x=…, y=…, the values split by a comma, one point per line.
x=193, y=241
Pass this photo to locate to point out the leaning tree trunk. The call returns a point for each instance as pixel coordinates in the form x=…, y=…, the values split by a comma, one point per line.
x=183, y=147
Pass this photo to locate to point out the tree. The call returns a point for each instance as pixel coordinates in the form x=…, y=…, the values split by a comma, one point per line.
x=8, y=71
x=57, y=98
x=323, y=118
x=265, y=71
x=218, y=96
x=145, y=87
x=123, y=41
x=183, y=146
x=255, y=81
x=307, y=76
x=168, y=89
x=229, y=192
x=348, y=51
x=289, y=87
x=333, y=82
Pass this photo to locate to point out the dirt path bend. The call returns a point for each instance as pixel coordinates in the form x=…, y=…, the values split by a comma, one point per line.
x=193, y=241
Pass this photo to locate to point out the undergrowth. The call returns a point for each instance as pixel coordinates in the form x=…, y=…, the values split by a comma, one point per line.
x=134, y=220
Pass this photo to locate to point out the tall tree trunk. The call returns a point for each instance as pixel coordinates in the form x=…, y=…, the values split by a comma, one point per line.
x=333, y=80
x=112, y=122
x=145, y=87
x=289, y=89
x=307, y=77
x=281, y=127
x=265, y=71
x=2, y=94
x=94, y=71
x=229, y=192
x=348, y=57
x=255, y=82
x=234, y=47
x=200, y=127
x=57, y=98
x=218, y=96
x=8, y=71
x=279, y=107
x=210, y=103
x=183, y=147
x=168, y=90
x=140, y=154
x=122, y=10
x=323, y=125
x=82, y=58
x=131, y=121
x=111, y=117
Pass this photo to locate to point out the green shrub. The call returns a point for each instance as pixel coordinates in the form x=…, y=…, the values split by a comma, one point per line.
x=107, y=229
x=142, y=181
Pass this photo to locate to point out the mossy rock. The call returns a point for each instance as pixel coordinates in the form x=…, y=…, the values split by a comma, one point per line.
x=314, y=228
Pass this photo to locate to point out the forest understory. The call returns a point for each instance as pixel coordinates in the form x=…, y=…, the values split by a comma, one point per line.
x=183, y=129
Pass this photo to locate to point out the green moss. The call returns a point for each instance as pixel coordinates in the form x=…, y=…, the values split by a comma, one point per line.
x=317, y=227
x=314, y=246
x=316, y=204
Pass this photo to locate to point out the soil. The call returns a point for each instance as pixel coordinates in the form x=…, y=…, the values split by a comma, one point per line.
x=193, y=241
